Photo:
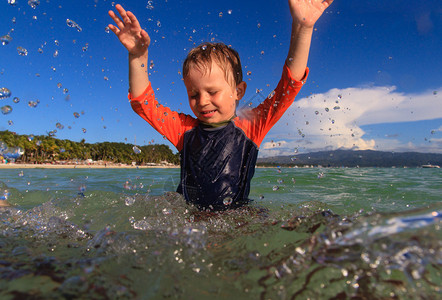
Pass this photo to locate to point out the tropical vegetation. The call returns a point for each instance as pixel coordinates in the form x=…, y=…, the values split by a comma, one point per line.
x=45, y=148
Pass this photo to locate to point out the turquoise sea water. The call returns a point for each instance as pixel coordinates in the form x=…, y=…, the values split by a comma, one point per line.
x=332, y=233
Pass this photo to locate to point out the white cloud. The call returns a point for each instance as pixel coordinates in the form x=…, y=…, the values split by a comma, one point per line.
x=333, y=120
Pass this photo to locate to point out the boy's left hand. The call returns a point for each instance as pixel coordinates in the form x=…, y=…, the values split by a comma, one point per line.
x=307, y=12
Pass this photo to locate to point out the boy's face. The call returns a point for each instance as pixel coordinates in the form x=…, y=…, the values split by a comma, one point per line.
x=211, y=98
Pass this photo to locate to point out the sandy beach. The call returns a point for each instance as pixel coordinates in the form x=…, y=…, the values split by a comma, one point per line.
x=80, y=166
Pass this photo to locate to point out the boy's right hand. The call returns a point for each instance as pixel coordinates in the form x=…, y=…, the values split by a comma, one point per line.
x=129, y=32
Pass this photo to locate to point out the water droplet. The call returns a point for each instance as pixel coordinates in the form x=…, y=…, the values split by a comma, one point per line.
x=203, y=47
x=55, y=53
x=84, y=130
x=62, y=150
x=275, y=188
x=65, y=91
x=249, y=73
x=33, y=104
x=106, y=29
x=316, y=112
x=136, y=150
x=34, y=3
x=12, y=2
x=150, y=5
x=142, y=225
x=336, y=107
x=229, y=11
x=85, y=48
x=227, y=201
x=22, y=51
x=158, y=23
x=16, y=100
x=59, y=125
x=73, y=24
x=130, y=201
x=326, y=109
x=151, y=65
x=220, y=14
x=435, y=93
x=5, y=39
x=293, y=158
x=258, y=25
x=6, y=109
x=76, y=115
x=106, y=78
x=4, y=93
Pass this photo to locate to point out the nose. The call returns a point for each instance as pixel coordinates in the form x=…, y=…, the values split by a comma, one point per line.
x=203, y=99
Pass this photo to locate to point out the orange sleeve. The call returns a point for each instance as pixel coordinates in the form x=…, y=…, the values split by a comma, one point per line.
x=261, y=119
x=170, y=124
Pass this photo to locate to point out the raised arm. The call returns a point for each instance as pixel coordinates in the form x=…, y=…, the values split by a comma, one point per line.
x=136, y=41
x=304, y=13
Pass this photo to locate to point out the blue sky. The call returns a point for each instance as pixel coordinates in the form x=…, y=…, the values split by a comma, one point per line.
x=374, y=83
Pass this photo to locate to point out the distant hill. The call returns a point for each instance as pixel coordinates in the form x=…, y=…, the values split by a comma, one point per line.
x=350, y=158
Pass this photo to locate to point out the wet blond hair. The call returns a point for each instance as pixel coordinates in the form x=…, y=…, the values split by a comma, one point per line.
x=225, y=57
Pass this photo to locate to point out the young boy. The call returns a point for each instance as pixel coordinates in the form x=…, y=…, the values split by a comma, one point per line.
x=218, y=149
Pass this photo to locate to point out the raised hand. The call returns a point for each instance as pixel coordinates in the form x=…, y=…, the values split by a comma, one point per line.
x=307, y=12
x=129, y=32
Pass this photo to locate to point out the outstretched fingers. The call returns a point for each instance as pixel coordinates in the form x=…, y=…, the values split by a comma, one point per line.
x=122, y=13
x=116, y=19
x=133, y=19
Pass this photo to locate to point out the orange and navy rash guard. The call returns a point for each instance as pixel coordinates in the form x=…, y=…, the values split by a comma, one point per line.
x=217, y=164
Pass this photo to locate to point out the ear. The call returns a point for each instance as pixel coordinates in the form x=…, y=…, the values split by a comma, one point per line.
x=241, y=89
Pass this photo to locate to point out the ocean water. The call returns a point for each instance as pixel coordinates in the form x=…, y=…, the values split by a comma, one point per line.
x=332, y=233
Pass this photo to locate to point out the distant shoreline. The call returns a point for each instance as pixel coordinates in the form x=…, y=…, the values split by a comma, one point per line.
x=82, y=166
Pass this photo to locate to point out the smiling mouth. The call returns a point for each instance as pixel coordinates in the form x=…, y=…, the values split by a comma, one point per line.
x=207, y=112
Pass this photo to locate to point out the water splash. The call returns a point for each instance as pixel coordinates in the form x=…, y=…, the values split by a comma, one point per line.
x=22, y=51
x=34, y=3
x=6, y=109
x=5, y=39
x=136, y=150
x=73, y=24
x=33, y=104
x=4, y=93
